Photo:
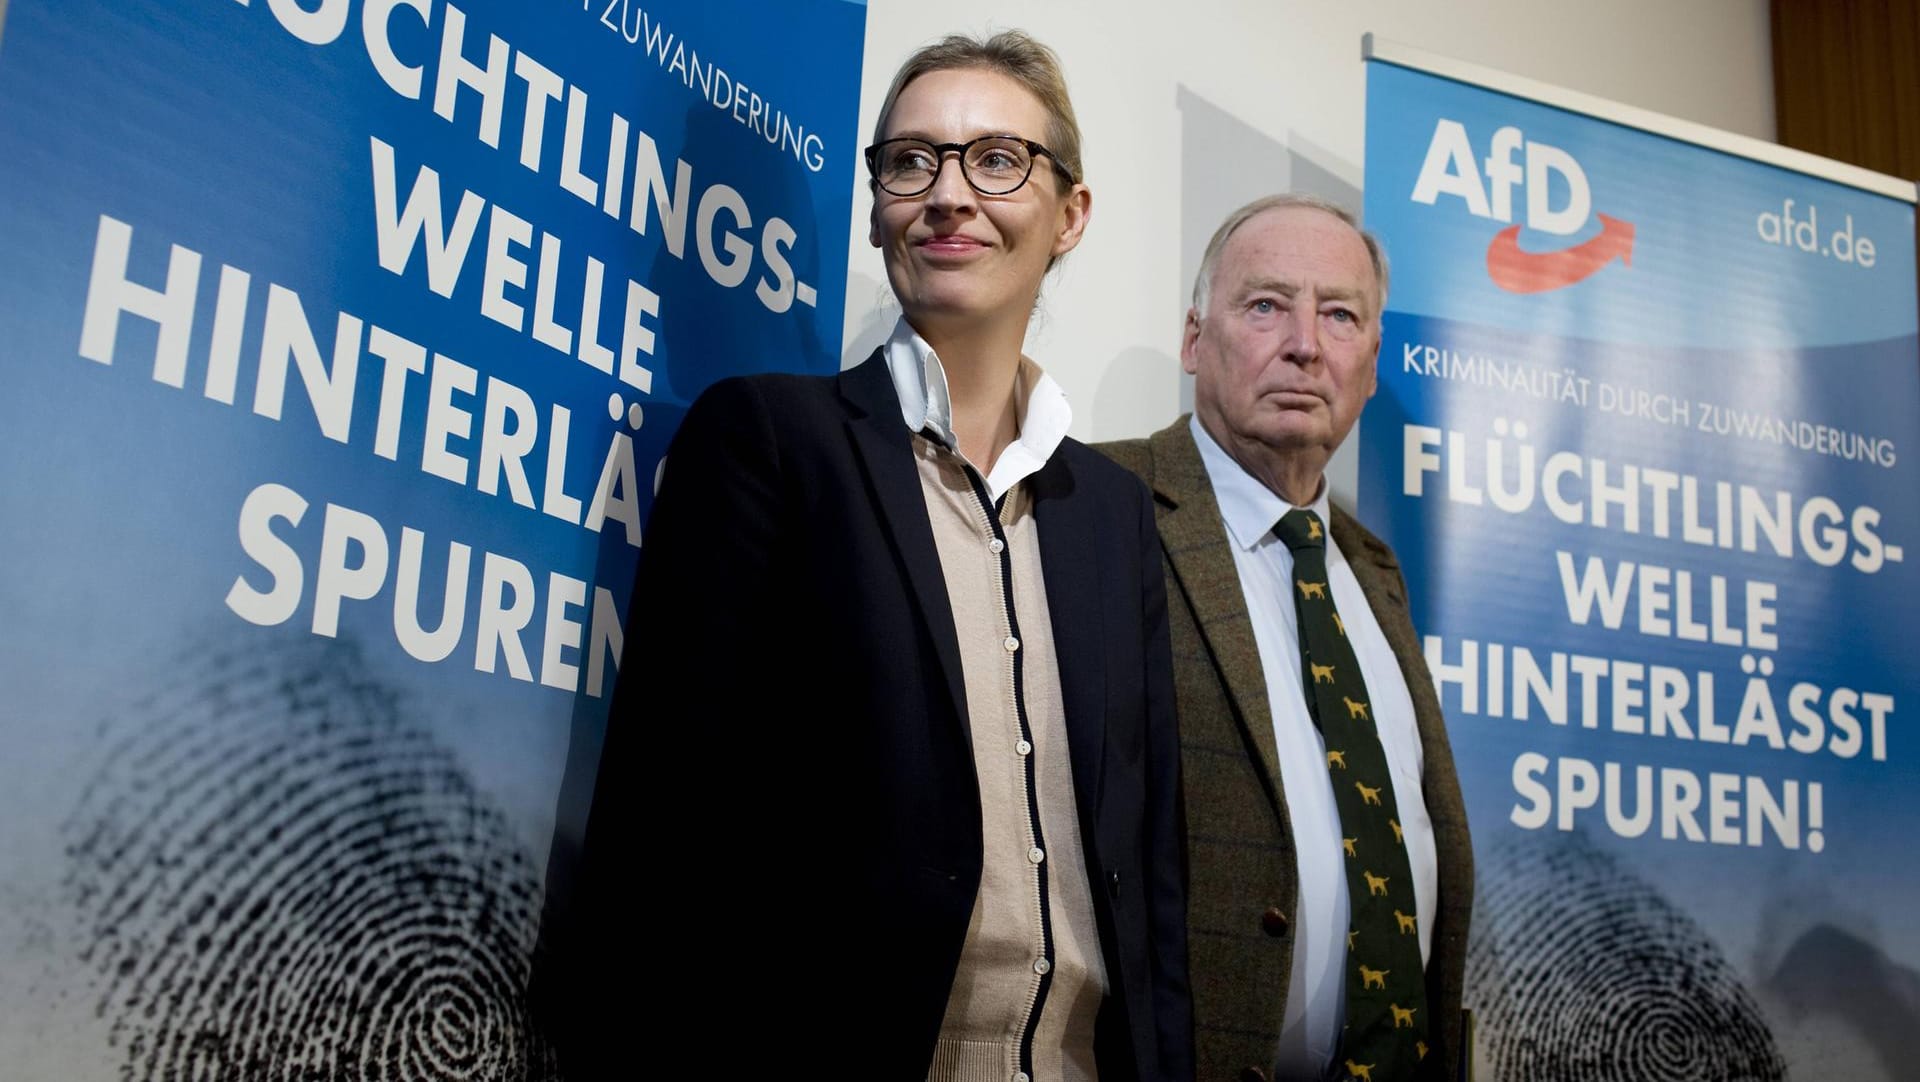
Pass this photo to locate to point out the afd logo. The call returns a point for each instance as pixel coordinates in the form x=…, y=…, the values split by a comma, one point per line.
x=1452, y=168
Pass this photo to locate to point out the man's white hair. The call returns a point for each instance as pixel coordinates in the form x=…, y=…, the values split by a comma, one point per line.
x=1210, y=263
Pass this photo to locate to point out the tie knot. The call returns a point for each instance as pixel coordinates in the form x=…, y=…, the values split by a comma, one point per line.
x=1301, y=530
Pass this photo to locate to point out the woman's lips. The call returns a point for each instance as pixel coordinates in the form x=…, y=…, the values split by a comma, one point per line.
x=952, y=244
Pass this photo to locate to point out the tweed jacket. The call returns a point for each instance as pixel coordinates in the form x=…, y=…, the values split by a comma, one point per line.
x=1242, y=886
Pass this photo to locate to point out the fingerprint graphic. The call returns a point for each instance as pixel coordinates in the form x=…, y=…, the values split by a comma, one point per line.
x=1581, y=972
x=280, y=877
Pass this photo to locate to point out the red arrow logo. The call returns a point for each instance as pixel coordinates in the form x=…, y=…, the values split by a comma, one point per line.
x=1537, y=272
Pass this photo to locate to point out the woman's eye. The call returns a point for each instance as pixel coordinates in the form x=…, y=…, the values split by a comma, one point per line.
x=910, y=160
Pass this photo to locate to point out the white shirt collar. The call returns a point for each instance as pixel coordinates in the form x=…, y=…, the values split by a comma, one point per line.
x=926, y=406
x=1249, y=508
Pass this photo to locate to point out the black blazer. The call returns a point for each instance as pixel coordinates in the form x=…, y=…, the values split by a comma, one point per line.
x=788, y=776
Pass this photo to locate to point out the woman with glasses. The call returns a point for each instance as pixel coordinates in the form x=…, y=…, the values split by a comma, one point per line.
x=898, y=669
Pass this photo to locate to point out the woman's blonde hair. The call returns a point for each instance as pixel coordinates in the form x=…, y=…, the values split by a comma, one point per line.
x=1016, y=55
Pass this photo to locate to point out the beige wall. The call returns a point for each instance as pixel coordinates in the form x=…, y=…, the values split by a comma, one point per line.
x=1195, y=106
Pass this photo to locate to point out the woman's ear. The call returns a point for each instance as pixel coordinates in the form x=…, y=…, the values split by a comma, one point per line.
x=1076, y=210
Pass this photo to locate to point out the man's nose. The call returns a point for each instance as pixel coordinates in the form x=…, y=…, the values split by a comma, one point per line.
x=1302, y=345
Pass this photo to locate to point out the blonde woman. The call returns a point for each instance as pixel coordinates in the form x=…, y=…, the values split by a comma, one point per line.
x=899, y=667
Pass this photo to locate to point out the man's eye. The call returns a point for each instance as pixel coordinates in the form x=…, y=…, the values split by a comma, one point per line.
x=1345, y=316
x=1265, y=306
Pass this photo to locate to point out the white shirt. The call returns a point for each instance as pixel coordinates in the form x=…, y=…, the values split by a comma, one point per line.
x=1040, y=403
x=1316, y=990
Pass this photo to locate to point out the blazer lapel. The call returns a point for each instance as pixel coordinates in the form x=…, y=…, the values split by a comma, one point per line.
x=885, y=449
x=1074, y=562
x=1195, y=539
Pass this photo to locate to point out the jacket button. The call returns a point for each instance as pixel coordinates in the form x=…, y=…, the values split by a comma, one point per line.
x=1113, y=884
x=1253, y=1074
x=1274, y=922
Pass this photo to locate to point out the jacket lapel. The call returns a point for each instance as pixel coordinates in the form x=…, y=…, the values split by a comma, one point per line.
x=1075, y=564
x=885, y=449
x=1378, y=573
x=1197, y=547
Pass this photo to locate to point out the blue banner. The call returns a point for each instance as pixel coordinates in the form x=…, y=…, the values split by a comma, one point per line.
x=343, y=341
x=1643, y=443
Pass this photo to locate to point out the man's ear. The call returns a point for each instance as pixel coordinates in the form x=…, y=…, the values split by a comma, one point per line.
x=1190, y=342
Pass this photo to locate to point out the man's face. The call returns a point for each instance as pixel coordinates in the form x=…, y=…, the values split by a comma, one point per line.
x=1283, y=358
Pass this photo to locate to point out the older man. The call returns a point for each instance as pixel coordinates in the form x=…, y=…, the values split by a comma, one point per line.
x=1331, y=875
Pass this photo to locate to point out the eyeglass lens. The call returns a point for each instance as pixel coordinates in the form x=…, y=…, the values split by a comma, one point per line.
x=994, y=165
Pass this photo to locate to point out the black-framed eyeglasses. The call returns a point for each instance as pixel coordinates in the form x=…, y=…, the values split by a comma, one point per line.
x=992, y=164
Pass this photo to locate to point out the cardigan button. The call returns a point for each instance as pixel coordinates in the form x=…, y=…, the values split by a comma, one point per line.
x=1274, y=922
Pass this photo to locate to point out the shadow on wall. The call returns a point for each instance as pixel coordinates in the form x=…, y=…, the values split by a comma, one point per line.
x=1124, y=376
x=1833, y=991
x=1225, y=163
x=875, y=298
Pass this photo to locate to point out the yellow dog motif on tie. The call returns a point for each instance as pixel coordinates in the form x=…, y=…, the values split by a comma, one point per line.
x=1311, y=589
x=1420, y=1047
x=1402, y=1015
x=1408, y=923
x=1368, y=795
x=1322, y=674
x=1339, y=626
x=1361, y=1071
x=1347, y=844
x=1397, y=835
x=1373, y=978
x=1376, y=884
x=1313, y=529
x=1355, y=709
x=1336, y=758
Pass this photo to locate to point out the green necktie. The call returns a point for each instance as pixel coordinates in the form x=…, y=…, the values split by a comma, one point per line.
x=1386, y=1034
